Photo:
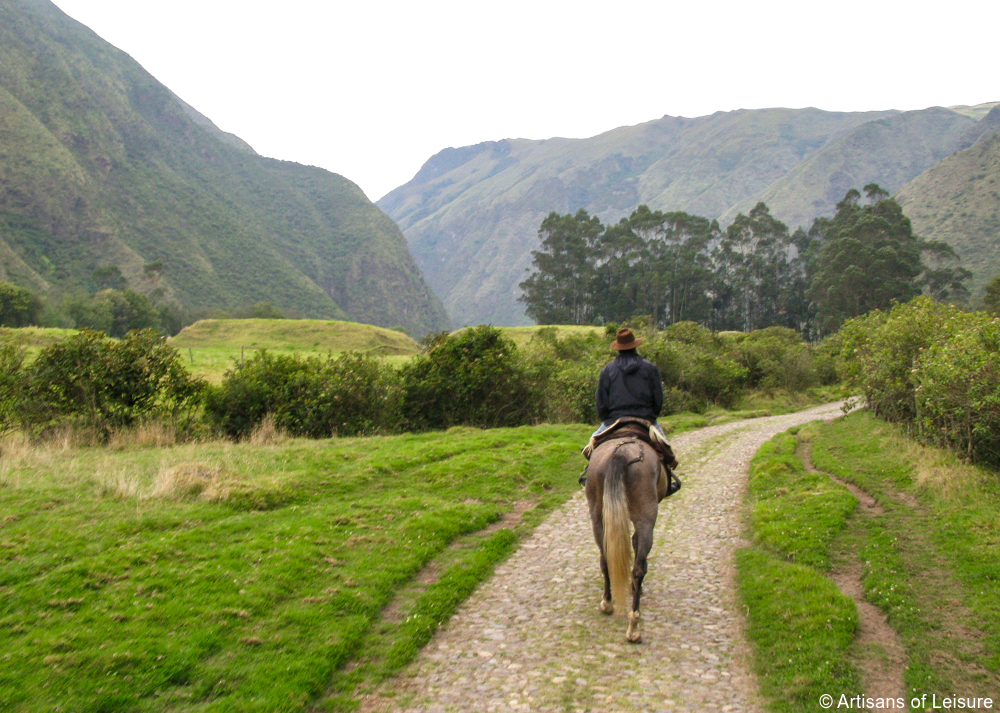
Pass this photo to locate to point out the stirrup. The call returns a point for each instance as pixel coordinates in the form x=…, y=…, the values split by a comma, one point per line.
x=583, y=478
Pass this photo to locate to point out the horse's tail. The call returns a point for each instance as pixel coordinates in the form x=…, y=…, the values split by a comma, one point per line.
x=617, y=538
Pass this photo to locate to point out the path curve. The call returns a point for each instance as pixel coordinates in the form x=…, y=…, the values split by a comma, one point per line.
x=532, y=639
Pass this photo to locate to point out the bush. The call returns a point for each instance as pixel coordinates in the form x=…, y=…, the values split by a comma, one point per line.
x=349, y=395
x=18, y=307
x=775, y=357
x=250, y=391
x=958, y=390
x=473, y=378
x=11, y=383
x=114, y=312
x=934, y=368
x=695, y=363
x=102, y=383
x=880, y=352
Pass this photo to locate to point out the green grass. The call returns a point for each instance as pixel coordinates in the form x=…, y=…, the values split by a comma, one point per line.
x=795, y=514
x=800, y=626
x=120, y=593
x=33, y=339
x=522, y=336
x=930, y=558
x=801, y=629
x=211, y=346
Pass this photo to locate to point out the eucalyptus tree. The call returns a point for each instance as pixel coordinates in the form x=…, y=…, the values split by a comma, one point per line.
x=560, y=289
x=681, y=277
x=756, y=267
x=869, y=258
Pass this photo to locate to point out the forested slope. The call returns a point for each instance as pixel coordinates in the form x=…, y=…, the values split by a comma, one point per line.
x=101, y=165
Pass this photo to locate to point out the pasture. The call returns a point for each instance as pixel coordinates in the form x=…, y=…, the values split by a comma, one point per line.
x=211, y=346
x=223, y=576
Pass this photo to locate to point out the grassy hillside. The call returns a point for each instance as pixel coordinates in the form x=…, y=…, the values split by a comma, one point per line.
x=222, y=577
x=102, y=165
x=888, y=151
x=958, y=201
x=522, y=336
x=471, y=214
x=211, y=346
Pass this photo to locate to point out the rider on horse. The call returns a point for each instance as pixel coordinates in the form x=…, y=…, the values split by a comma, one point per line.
x=629, y=389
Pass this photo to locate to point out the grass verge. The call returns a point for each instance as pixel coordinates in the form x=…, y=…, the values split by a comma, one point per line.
x=800, y=626
x=931, y=561
x=928, y=553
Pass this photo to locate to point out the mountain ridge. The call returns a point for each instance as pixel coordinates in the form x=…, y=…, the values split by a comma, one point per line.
x=101, y=165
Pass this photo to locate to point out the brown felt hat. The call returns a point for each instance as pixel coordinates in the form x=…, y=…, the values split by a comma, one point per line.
x=625, y=340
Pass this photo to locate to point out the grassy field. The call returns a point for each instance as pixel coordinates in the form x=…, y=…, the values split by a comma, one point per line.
x=522, y=336
x=34, y=338
x=211, y=346
x=221, y=576
x=927, y=551
x=228, y=576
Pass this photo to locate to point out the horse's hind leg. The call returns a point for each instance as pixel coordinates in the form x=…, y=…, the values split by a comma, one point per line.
x=642, y=543
x=597, y=523
x=607, y=606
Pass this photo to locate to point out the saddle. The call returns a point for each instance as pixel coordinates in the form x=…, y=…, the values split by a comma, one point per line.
x=633, y=427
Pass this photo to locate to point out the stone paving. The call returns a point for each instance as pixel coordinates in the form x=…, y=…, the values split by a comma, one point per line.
x=532, y=639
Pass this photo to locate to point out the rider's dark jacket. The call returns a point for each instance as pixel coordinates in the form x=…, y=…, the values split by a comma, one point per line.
x=629, y=386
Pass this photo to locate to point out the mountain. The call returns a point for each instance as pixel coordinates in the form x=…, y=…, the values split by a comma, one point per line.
x=471, y=214
x=889, y=151
x=958, y=201
x=102, y=165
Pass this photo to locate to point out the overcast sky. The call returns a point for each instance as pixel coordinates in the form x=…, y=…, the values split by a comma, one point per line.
x=371, y=90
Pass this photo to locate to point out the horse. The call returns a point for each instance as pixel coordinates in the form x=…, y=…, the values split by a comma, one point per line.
x=622, y=479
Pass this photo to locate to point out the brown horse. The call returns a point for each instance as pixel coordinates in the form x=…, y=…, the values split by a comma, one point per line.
x=621, y=489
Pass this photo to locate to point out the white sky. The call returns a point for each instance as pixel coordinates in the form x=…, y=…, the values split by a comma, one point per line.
x=371, y=90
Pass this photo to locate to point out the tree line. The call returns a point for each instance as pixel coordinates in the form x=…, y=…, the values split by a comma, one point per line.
x=113, y=307
x=675, y=267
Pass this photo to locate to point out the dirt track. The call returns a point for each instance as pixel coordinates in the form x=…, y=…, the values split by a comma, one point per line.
x=532, y=639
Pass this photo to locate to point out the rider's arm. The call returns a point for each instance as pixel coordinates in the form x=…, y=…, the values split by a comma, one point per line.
x=603, y=397
x=656, y=388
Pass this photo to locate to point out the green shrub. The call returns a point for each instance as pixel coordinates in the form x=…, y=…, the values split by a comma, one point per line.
x=18, y=307
x=678, y=401
x=958, y=390
x=352, y=394
x=880, y=352
x=114, y=312
x=11, y=383
x=697, y=364
x=101, y=383
x=775, y=357
x=473, y=378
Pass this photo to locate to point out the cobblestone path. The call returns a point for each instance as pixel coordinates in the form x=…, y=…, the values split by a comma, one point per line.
x=532, y=639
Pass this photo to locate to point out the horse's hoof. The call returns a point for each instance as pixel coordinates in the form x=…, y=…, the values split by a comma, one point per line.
x=634, y=635
x=607, y=607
